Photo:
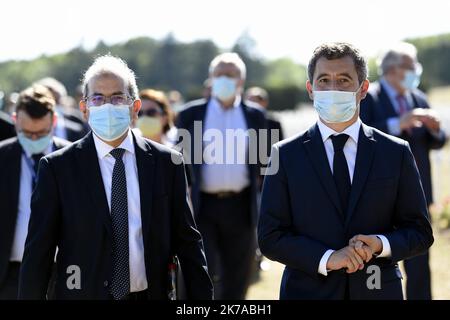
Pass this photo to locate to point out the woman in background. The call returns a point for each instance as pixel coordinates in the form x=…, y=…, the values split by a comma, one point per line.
x=155, y=119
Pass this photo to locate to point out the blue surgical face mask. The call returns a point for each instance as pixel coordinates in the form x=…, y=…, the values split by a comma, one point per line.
x=109, y=121
x=411, y=80
x=34, y=146
x=335, y=106
x=224, y=88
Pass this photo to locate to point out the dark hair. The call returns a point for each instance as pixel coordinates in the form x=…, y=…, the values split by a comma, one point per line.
x=337, y=50
x=161, y=100
x=37, y=101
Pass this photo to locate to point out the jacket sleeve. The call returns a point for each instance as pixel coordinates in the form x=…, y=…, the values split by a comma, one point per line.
x=276, y=239
x=188, y=245
x=41, y=240
x=412, y=233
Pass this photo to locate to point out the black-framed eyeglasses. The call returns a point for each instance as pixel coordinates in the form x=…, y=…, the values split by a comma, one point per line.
x=97, y=100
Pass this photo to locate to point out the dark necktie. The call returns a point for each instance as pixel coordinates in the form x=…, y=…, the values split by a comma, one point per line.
x=120, y=284
x=36, y=158
x=340, y=170
x=402, y=104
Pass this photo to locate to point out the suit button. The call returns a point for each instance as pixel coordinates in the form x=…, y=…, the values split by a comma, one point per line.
x=106, y=283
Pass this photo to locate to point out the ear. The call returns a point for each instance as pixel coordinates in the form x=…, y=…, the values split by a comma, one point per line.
x=84, y=109
x=14, y=117
x=309, y=88
x=136, y=107
x=54, y=120
x=364, y=89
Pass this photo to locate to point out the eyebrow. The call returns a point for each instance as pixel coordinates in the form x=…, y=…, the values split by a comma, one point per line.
x=101, y=94
x=345, y=74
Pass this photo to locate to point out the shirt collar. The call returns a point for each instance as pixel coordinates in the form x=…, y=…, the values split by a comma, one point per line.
x=352, y=131
x=103, y=149
x=390, y=90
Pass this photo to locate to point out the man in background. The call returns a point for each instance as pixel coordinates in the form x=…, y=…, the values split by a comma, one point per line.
x=396, y=106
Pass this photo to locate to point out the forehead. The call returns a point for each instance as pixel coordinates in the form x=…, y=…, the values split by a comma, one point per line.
x=149, y=104
x=106, y=84
x=335, y=67
x=225, y=68
x=28, y=123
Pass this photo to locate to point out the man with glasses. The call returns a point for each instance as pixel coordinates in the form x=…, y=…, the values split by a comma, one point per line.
x=396, y=106
x=35, y=121
x=115, y=204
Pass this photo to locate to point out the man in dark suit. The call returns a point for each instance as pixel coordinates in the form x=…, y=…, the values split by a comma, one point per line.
x=35, y=120
x=342, y=202
x=70, y=125
x=224, y=189
x=397, y=107
x=6, y=126
x=114, y=204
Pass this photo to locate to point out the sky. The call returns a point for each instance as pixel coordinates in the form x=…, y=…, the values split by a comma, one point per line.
x=281, y=28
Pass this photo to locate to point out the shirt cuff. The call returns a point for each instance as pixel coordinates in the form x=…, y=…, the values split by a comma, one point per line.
x=386, y=251
x=323, y=262
x=393, y=125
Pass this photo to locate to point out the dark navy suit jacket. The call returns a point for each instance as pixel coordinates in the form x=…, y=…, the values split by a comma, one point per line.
x=69, y=210
x=301, y=217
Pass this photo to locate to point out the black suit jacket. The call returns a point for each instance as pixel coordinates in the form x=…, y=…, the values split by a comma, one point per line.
x=196, y=111
x=10, y=167
x=376, y=108
x=75, y=127
x=301, y=217
x=6, y=127
x=69, y=209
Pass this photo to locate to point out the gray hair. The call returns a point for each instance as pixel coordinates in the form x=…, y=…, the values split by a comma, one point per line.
x=110, y=65
x=394, y=56
x=229, y=57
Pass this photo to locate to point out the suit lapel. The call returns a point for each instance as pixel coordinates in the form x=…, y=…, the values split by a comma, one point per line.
x=88, y=162
x=363, y=164
x=14, y=176
x=318, y=158
x=145, y=165
x=386, y=103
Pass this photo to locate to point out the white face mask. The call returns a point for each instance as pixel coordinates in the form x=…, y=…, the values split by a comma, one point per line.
x=335, y=106
x=224, y=88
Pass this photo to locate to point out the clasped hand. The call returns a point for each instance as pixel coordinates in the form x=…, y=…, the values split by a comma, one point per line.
x=360, y=250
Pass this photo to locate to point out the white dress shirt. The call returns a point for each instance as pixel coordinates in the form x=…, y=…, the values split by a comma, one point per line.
x=23, y=213
x=138, y=278
x=225, y=169
x=350, y=150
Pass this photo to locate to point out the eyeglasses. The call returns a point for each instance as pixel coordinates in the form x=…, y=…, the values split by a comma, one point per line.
x=37, y=134
x=97, y=100
x=150, y=112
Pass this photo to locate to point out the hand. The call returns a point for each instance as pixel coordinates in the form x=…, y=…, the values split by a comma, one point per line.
x=410, y=120
x=373, y=242
x=431, y=121
x=363, y=250
x=346, y=258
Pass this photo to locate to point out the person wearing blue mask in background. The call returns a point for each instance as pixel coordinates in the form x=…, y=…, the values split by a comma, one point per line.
x=35, y=121
x=342, y=202
x=396, y=106
x=114, y=204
